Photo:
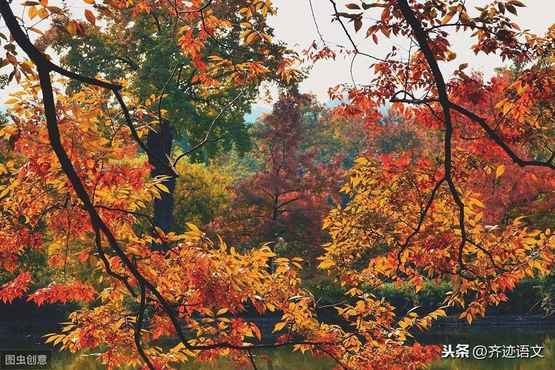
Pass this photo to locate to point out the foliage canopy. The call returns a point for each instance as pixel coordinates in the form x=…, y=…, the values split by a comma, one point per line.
x=458, y=202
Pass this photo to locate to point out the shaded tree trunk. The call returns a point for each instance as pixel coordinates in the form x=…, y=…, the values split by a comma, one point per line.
x=160, y=144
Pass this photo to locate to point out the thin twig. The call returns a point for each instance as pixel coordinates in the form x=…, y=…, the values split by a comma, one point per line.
x=208, y=132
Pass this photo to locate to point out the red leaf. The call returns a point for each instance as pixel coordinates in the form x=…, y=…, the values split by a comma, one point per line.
x=15, y=288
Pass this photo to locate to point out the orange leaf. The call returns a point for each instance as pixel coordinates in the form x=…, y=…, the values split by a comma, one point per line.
x=90, y=17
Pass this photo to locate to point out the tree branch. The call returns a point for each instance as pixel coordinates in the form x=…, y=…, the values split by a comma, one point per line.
x=354, y=45
x=423, y=215
x=499, y=141
x=423, y=42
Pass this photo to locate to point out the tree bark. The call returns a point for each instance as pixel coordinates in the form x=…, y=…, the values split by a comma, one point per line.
x=160, y=143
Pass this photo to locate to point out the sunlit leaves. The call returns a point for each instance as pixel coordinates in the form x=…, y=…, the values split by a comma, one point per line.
x=499, y=171
x=63, y=293
x=15, y=288
x=385, y=232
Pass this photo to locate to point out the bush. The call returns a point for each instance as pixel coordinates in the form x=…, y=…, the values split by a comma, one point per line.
x=201, y=193
x=531, y=296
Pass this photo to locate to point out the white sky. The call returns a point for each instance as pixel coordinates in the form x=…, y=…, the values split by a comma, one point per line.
x=294, y=25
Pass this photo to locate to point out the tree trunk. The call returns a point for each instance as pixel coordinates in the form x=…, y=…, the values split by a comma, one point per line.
x=159, y=144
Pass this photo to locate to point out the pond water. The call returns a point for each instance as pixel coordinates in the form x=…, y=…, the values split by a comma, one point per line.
x=282, y=359
x=285, y=360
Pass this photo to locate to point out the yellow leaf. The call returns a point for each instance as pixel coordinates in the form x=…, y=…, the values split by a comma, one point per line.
x=451, y=55
x=256, y=332
x=469, y=319
x=361, y=161
x=43, y=13
x=11, y=101
x=32, y=12
x=403, y=324
x=71, y=27
x=499, y=171
x=251, y=38
x=163, y=188
x=193, y=227
x=4, y=192
x=51, y=338
x=440, y=312
x=447, y=18
x=279, y=326
x=326, y=264
x=478, y=203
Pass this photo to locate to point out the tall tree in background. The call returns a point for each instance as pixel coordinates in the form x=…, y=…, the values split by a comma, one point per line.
x=192, y=106
x=285, y=200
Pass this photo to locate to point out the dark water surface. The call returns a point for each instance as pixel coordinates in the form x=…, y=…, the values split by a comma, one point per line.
x=16, y=333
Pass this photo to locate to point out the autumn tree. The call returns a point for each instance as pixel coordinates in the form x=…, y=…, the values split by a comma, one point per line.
x=74, y=188
x=202, y=192
x=165, y=62
x=443, y=213
x=285, y=200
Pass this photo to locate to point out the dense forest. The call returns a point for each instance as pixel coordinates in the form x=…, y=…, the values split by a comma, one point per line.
x=135, y=194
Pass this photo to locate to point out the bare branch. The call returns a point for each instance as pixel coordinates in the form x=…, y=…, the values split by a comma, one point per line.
x=423, y=215
x=354, y=45
x=423, y=42
x=316, y=23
